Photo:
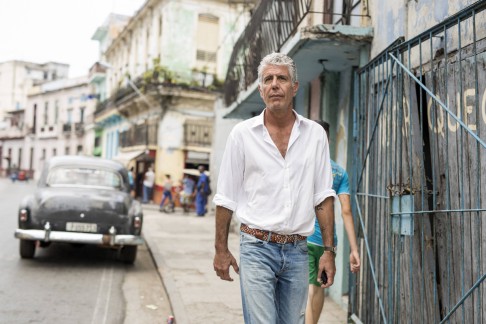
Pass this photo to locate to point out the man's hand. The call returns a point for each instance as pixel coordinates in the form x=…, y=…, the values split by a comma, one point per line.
x=326, y=263
x=222, y=262
x=223, y=258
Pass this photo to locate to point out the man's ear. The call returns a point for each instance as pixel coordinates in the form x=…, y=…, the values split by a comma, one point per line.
x=260, y=90
x=295, y=87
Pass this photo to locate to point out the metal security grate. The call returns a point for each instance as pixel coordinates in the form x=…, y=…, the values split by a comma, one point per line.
x=420, y=132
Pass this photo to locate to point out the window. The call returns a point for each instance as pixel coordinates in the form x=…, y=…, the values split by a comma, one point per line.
x=63, y=176
x=43, y=157
x=81, y=114
x=56, y=111
x=54, y=152
x=70, y=116
x=207, y=42
x=34, y=121
x=66, y=150
x=46, y=113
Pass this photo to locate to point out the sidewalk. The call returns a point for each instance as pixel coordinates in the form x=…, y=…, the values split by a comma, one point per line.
x=183, y=248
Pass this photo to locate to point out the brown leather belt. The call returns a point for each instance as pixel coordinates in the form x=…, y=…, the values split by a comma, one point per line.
x=274, y=237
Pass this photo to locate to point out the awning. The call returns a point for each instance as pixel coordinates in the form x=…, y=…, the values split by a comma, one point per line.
x=195, y=172
x=126, y=157
x=197, y=157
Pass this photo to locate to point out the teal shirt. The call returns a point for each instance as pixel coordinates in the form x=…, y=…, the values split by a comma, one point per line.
x=340, y=184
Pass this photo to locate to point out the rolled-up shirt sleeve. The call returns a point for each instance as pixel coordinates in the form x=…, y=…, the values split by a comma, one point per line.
x=323, y=184
x=230, y=179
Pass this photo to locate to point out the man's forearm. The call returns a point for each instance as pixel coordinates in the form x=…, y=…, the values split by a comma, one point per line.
x=325, y=217
x=223, y=221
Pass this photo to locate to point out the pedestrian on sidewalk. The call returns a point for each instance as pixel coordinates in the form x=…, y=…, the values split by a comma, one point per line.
x=167, y=193
x=203, y=191
x=187, y=194
x=275, y=175
x=148, y=185
x=315, y=300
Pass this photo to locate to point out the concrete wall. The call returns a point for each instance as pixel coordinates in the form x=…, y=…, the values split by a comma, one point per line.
x=408, y=18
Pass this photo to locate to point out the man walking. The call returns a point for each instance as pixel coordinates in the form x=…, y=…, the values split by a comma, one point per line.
x=276, y=175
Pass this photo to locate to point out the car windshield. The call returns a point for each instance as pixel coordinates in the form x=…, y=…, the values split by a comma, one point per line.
x=84, y=177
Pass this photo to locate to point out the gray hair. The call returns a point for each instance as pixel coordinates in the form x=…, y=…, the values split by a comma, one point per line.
x=278, y=59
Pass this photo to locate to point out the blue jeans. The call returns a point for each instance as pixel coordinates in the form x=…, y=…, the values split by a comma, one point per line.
x=274, y=281
x=147, y=194
x=167, y=194
x=201, y=202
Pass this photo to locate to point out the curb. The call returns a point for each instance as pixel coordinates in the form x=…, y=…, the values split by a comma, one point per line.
x=175, y=300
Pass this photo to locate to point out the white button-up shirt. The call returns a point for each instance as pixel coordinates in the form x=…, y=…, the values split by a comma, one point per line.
x=267, y=191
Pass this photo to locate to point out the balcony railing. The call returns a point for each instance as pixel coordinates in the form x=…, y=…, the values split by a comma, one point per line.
x=139, y=135
x=198, y=134
x=78, y=128
x=270, y=27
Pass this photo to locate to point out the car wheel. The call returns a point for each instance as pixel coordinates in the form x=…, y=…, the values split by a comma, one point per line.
x=27, y=249
x=128, y=253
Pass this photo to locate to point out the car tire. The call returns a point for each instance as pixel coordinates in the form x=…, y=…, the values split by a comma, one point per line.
x=128, y=254
x=27, y=249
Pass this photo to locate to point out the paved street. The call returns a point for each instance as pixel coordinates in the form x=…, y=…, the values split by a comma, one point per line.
x=183, y=248
x=67, y=284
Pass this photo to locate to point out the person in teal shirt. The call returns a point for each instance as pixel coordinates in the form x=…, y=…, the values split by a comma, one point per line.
x=315, y=299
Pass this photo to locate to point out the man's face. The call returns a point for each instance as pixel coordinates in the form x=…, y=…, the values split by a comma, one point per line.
x=277, y=89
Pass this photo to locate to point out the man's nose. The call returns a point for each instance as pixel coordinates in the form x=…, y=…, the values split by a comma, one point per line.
x=274, y=82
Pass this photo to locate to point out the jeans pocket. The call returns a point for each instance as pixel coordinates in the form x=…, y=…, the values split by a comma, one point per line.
x=302, y=246
x=246, y=238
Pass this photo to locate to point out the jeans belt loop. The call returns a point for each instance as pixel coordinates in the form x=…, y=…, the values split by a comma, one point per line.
x=269, y=238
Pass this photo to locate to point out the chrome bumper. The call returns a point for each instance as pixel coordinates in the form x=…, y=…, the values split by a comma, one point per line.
x=75, y=237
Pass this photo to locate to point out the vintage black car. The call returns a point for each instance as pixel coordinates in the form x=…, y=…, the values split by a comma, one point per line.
x=81, y=200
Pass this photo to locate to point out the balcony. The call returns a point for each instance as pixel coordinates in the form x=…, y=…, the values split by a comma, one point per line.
x=337, y=39
x=197, y=133
x=97, y=73
x=139, y=135
x=68, y=128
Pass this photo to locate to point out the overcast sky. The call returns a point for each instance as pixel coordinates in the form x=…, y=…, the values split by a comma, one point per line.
x=56, y=30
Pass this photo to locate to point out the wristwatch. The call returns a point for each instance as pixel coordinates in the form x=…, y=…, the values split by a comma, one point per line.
x=331, y=249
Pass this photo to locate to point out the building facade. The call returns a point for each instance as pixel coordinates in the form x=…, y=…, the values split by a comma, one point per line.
x=164, y=76
x=58, y=120
x=17, y=78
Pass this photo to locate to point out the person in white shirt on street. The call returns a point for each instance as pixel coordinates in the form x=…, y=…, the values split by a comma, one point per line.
x=275, y=175
x=148, y=185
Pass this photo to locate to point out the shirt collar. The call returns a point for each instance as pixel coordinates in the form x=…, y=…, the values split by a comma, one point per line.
x=258, y=121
